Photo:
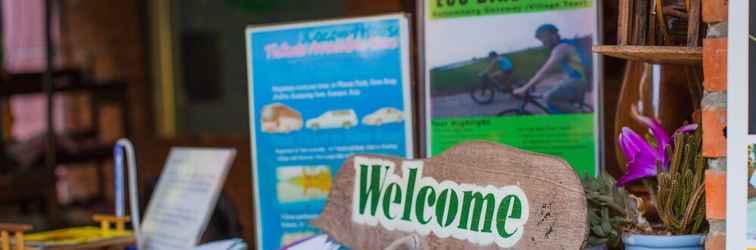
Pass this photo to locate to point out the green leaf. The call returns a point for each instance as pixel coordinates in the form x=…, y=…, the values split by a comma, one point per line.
x=594, y=219
x=598, y=231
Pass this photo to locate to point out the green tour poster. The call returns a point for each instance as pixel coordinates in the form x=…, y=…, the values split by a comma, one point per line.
x=516, y=72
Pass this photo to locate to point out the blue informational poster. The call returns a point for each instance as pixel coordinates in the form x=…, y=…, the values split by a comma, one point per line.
x=320, y=92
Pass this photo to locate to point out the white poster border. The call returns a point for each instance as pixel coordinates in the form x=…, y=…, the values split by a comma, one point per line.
x=738, y=138
x=424, y=85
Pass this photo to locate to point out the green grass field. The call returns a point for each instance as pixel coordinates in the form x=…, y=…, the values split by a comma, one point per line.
x=458, y=80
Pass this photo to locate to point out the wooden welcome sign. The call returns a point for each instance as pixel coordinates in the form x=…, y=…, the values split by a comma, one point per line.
x=477, y=195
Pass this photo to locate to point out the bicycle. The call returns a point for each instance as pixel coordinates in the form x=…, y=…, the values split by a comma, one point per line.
x=485, y=92
x=530, y=98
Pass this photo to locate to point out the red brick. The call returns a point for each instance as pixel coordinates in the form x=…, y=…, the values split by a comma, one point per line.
x=715, y=241
x=716, y=193
x=714, y=11
x=715, y=64
x=714, y=141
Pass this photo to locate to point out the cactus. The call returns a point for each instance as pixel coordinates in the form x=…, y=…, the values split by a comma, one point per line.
x=611, y=211
x=680, y=189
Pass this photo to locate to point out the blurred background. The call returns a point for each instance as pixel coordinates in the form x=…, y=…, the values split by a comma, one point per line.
x=161, y=72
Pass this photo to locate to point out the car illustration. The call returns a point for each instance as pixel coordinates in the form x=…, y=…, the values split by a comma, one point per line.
x=383, y=116
x=333, y=119
x=279, y=118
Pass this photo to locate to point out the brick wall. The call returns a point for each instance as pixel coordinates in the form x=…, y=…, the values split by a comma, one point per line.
x=714, y=119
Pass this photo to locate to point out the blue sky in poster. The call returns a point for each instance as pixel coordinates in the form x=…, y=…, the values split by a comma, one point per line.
x=299, y=68
x=503, y=33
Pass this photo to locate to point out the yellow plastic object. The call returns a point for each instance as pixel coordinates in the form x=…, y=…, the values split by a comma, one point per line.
x=73, y=236
x=18, y=232
x=106, y=221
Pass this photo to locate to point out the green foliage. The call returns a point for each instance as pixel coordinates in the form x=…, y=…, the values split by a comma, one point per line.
x=610, y=210
x=680, y=198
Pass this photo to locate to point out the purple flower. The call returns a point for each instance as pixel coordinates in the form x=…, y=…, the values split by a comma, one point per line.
x=687, y=128
x=642, y=157
x=660, y=136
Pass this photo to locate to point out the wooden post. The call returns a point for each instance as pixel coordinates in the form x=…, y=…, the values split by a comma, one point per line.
x=694, y=23
x=120, y=226
x=5, y=240
x=20, y=241
x=18, y=232
x=104, y=226
x=107, y=220
x=651, y=37
x=624, y=22
x=640, y=23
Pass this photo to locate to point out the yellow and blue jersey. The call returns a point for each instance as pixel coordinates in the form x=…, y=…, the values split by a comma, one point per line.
x=573, y=65
x=504, y=64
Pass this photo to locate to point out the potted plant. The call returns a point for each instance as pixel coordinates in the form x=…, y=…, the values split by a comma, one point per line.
x=610, y=212
x=672, y=170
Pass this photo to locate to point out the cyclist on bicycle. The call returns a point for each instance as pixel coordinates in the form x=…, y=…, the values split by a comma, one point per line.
x=498, y=70
x=564, y=54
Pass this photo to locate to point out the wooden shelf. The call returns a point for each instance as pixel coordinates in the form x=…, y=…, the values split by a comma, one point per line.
x=64, y=80
x=653, y=54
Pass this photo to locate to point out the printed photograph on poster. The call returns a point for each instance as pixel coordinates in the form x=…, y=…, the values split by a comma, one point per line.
x=482, y=77
x=320, y=92
x=511, y=72
x=751, y=207
x=750, y=202
x=302, y=183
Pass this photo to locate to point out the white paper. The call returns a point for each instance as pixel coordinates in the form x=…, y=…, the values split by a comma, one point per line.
x=741, y=211
x=319, y=242
x=232, y=244
x=185, y=197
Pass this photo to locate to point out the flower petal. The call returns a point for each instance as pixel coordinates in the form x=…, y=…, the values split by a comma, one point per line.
x=629, y=150
x=661, y=137
x=641, y=157
x=631, y=144
x=643, y=166
x=687, y=128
